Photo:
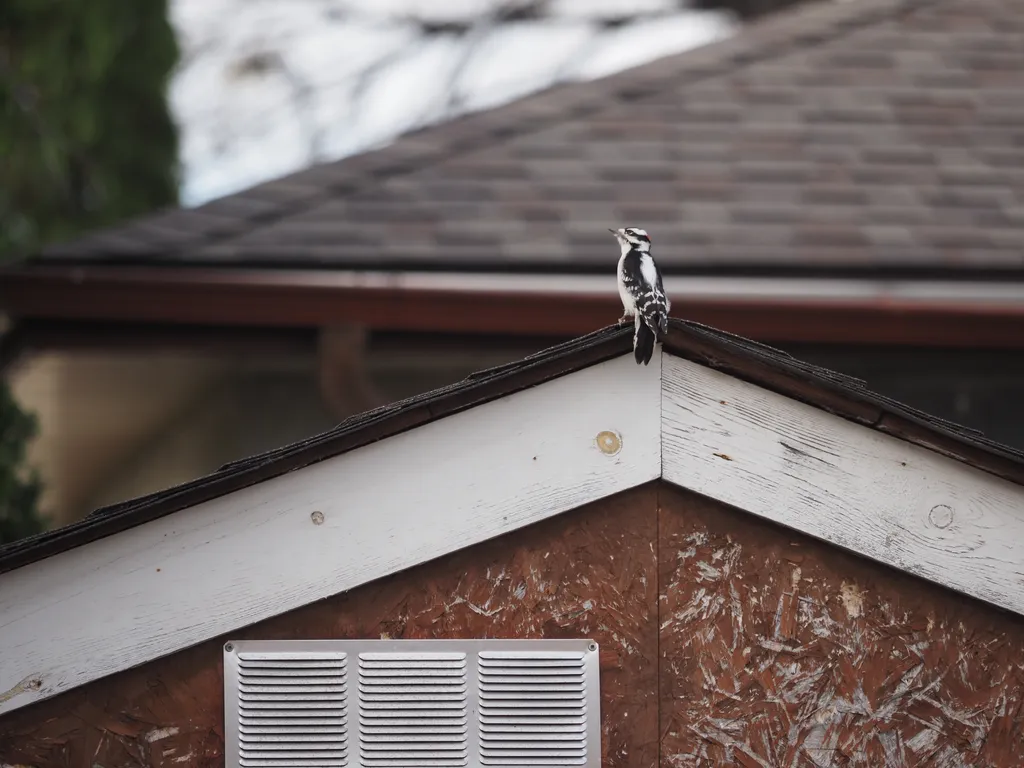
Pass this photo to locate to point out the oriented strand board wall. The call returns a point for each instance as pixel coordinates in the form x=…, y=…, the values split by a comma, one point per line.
x=772, y=649
x=778, y=650
x=589, y=573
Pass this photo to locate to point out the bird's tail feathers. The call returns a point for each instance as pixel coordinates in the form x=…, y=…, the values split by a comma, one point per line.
x=661, y=325
x=657, y=320
x=643, y=343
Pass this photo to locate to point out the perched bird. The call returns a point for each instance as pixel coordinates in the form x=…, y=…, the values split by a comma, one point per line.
x=640, y=288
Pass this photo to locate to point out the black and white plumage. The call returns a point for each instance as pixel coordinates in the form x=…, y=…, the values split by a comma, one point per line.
x=642, y=293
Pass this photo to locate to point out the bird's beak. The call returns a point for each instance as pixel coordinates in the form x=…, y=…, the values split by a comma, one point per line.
x=617, y=232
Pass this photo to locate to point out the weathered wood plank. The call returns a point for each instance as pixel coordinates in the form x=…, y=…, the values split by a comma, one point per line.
x=779, y=650
x=868, y=492
x=589, y=573
x=329, y=527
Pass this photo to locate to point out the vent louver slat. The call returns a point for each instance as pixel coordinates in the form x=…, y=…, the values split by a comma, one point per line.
x=292, y=710
x=477, y=703
x=413, y=710
x=533, y=708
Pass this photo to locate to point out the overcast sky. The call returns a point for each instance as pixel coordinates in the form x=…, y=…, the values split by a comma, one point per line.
x=267, y=87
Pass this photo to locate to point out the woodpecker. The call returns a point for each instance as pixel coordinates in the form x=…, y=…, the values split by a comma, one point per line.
x=640, y=288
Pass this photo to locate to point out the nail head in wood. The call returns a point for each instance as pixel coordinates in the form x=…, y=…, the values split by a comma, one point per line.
x=609, y=442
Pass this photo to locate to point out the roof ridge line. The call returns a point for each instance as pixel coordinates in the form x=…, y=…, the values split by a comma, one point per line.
x=773, y=35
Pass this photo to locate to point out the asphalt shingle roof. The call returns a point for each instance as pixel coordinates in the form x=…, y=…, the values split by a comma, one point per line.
x=864, y=135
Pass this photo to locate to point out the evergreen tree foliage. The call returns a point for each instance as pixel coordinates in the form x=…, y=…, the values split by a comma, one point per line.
x=19, y=489
x=86, y=140
x=86, y=137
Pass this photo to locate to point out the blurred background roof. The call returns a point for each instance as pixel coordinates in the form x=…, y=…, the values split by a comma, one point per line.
x=871, y=137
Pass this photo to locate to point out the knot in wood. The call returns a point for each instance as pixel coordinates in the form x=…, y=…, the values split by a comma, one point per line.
x=941, y=516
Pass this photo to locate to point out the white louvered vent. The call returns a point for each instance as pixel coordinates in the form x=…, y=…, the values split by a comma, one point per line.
x=292, y=709
x=412, y=703
x=412, y=709
x=533, y=708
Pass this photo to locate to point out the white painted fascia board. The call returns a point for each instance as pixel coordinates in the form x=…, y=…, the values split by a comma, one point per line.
x=224, y=564
x=495, y=468
x=877, y=495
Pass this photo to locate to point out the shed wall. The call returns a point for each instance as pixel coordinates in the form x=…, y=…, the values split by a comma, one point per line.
x=778, y=650
x=726, y=640
x=588, y=573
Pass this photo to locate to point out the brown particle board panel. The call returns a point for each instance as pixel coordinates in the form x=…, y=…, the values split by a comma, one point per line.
x=777, y=650
x=773, y=649
x=588, y=573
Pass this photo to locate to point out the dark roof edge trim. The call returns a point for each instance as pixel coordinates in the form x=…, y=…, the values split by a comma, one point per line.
x=750, y=361
x=357, y=431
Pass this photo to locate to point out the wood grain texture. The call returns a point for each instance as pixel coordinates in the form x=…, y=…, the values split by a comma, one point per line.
x=329, y=527
x=778, y=650
x=589, y=573
x=874, y=494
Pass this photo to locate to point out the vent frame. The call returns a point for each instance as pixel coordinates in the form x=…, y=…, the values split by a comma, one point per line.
x=475, y=650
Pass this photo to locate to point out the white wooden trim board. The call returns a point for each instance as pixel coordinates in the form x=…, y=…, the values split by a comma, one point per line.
x=844, y=483
x=163, y=586
x=256, y=553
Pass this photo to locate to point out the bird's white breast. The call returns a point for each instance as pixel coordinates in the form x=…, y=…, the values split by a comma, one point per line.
x=628, y=303
x=648, y=270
